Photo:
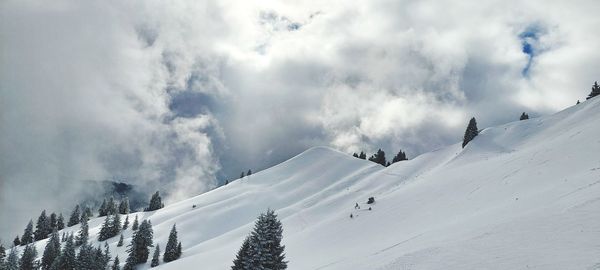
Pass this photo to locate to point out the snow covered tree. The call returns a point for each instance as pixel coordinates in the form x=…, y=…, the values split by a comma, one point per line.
x=155, y=202
x=124, y=206
x=52, y=251
x=242, y=259
x=171, y=252
x=102, y=209
x=27, y=261
x=27, y=237
x=67, y=260
x=242, y=175
x=86, y=258
x=355, y=155
x=379, y=157
x=53, y=221
x=111, y=206
x=106, y=254
x=17, y=241
x=116, y=263
x=362, y=155
x=115, y=228
x=471, y=132
x=155, y=257
x=179, y=249
x=2, y=254
x=74, y=219
x=120, y=243
x=524, y=116
x=139, y=247
x=88, y=212
x=265, y=249
x=249, y=172
x=42, y=227
x=60, y=222
x=126, y=223
x=83, y=234
x=595, y=90
x=105, y=229
x=12, y=261
x=135, y=224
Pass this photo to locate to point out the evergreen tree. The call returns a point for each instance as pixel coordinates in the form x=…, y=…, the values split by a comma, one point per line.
x=124, y=206
x=249, y=172
x=111, y=206
x=135, y=224
x=179, y=249
x=102, y=209
x=155, y=202
x=355, y=155
x=265, y=249
x=116, y=264
x=17, y=241
x=74, y=219
x=88, y=212
x=524, y=116
x=27, y=261
x=120, y=243
x=471, y=132
x=105, y=229
x=53, y=221
x=155, y=257
x=171, y=253
x=42, y=227
x=52, y=251
x=106, y=254
x=67, y=259
x=399, y=157
x=242, y=175
x=379, y=157
x=126, y=223
x=242, y=261
x=86, y=258
x=2, y=255
x=83, y=234
x=27, y=237
x=60, y=222
x=115, y=228
x=362, y=155
x=12, y=261
x=595, y=90
x=139, y=246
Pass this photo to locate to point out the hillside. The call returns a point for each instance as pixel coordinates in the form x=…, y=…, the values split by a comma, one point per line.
x=525, y=195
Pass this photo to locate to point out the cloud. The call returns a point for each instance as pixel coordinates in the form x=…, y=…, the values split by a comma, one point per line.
x=181, y=95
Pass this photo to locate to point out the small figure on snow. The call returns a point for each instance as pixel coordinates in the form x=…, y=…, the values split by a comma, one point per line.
x=351, y=216
x=356, y=206
x=371, y=200
x=369, y=208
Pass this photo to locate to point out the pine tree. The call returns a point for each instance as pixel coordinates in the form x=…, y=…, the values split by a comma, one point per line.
x=88, y=212
x=242, y=261
x=179, y=249
x=155, y=257
x=120, y=243
x=126, y=223
x=124, y=206
x=111, y=206
x=249, y=172
x=27, y=261
x=17, y=241
x=471, y=132
x=355, y=155
x=105, y=229
x=115, y=228
x=116, y=263
x=86, y=258
x=83, y=234
x=52, y=251
x=139, y=246
x=27, y=237
x=2, y=254
x=155, y=202
x=265, y=249
x=524, y=116
x=74, y=219
x=60, y=222
x=399, y=157
x=362, y=155
x=67, y=259
x=595, y=90
x=242, y=175
x=171, y=249
x=106, y=256
x=135, y=224
x=102, y=209
x=42, y=227
x=12, y=261
x=53, y=221
x=379, y=157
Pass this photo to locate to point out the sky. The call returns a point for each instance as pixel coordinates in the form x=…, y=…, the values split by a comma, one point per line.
x=183, y=95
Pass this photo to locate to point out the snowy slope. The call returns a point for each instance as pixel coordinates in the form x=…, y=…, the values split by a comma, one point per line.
x=525, y=195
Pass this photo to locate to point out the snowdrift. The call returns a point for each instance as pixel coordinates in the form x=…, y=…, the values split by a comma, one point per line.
x=525, y=195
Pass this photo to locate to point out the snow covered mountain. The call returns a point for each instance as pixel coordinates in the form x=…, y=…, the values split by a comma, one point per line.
x=525, y=195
